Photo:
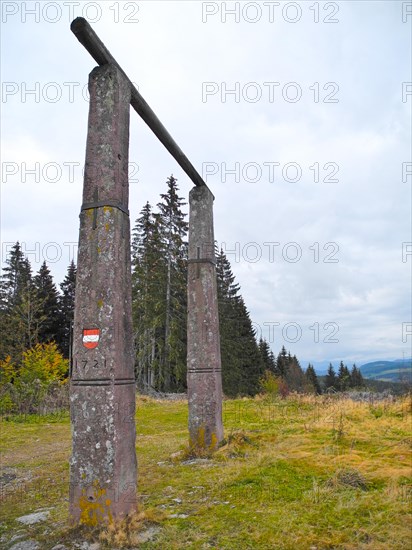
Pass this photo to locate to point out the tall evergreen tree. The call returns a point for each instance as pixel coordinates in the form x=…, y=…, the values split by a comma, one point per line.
x=66, y=309
x=173, y=228
x=247, y=348
x=294, y=375
x=282, y=362
x=331, y=381
x=48, y=296
x=15, y=278
x=267, y=357
x=242, y=366
x=227, y=290
x=356, y=379
x=313, y=379
x=147, y=286
x=159, y=286
x=20, y=307
x=343, y=377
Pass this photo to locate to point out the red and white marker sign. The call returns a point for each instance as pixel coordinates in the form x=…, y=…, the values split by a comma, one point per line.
x=91, y=337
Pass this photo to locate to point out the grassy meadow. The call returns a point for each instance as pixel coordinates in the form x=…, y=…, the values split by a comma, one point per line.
x=297, y=473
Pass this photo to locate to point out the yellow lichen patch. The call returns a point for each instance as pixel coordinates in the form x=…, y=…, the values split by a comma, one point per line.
x=200, y=445
x=213, y=441
x=94, y=509
x=99, y=250
x=107, y=226
x=199, y=441
x=107, y=209
x=99, y=304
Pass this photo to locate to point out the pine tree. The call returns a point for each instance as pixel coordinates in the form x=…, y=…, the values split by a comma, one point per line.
x=242, y=366
x=313, y=379
x=20, y=308
x=294, y=375
x=356, y=379
x=147, y=286
x=267, y=357
x=331, y=381
x=159, y=287
x=282, y=362
x=343, y=377
x=227, y=289
x=173, y=228
x=48, y=296
x=247, y=351
x=66, y=310
x=17, y=274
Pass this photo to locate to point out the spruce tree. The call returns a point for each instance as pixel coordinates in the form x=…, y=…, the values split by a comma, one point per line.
x=343, y=377
x=331, y=381
x=266, y=356
x=294, y=375
x=147, y=291
x=66, y=310
x=20, y=308
x=29, y=313
x=227, y=289
x=47, y=294
x=173, y=230
x=313, y=379
x=15, y=278
x=356, y=378
x=282, y=362
x=248, y=355
x=241, y=360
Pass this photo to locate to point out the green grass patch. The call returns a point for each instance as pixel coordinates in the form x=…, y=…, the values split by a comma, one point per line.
x=290, y=474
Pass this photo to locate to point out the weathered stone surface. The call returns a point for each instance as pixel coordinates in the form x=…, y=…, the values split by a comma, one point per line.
x=103, y=466
x=31, y=519
x=204, y=378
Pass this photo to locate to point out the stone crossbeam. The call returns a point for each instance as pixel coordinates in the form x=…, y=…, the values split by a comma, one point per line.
x=86, y=36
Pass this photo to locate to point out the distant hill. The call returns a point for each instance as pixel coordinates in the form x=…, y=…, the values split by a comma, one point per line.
x=390, y=371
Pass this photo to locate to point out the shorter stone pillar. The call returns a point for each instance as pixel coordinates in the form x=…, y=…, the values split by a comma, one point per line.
x=204, y=376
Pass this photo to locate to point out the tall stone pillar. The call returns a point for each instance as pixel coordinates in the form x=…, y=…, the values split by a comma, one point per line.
x=204, y=376
x=103, y=467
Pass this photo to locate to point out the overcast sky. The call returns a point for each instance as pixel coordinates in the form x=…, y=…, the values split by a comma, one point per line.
x=298, y=116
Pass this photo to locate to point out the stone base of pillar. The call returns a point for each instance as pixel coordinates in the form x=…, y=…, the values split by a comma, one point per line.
x=205, y=406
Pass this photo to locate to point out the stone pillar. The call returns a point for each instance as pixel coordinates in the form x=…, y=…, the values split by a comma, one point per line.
x=204, y=376
x=103, y=467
